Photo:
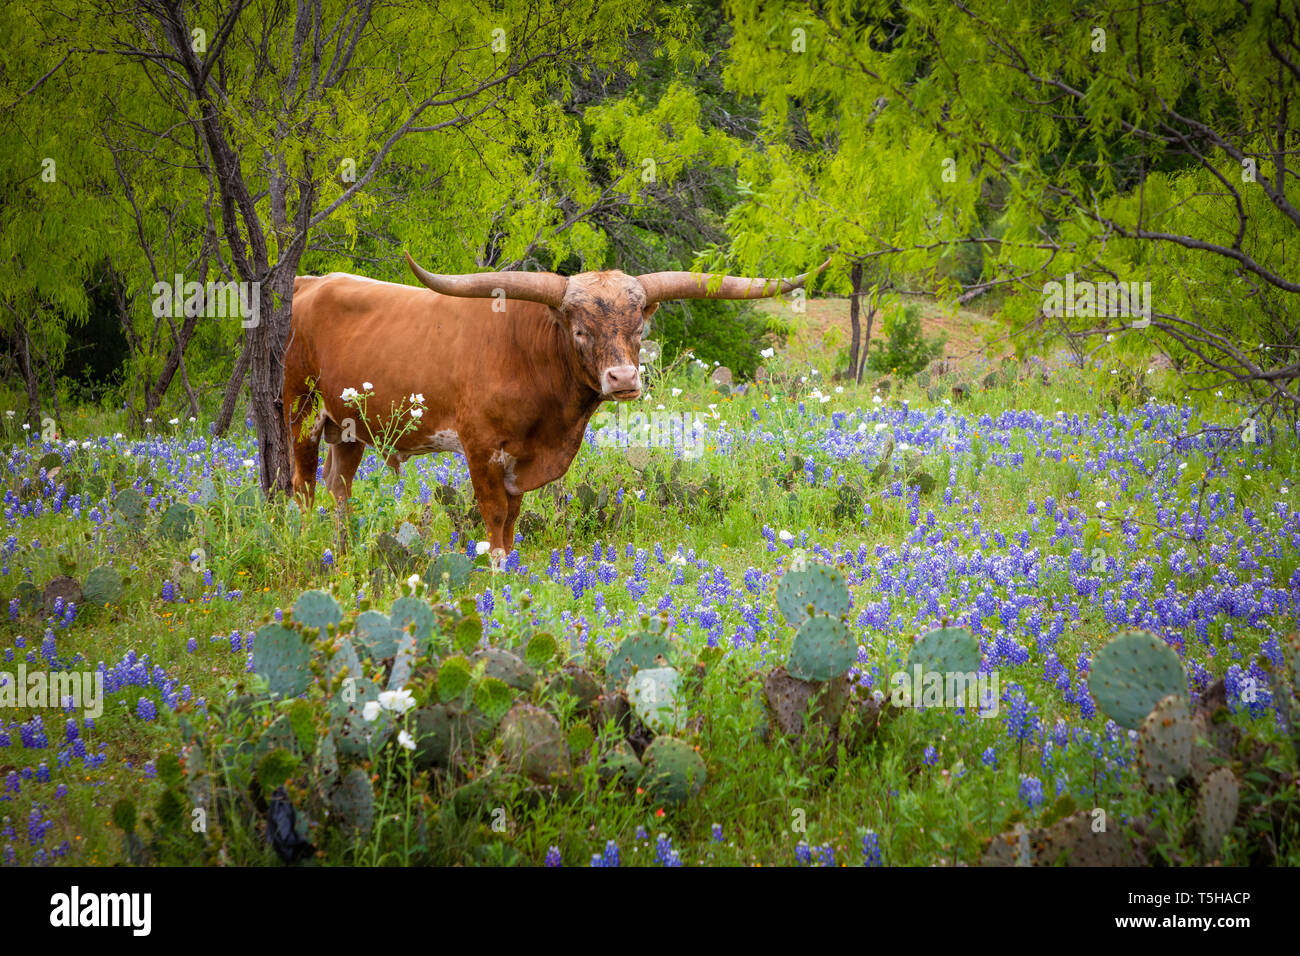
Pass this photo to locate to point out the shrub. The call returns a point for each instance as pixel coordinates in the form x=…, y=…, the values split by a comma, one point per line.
x=902, y=349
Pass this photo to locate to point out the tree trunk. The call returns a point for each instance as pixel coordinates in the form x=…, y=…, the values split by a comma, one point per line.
x=233, y=387
x=269, y=339
x=855, y=275
x=866, y=339
x=24, y=348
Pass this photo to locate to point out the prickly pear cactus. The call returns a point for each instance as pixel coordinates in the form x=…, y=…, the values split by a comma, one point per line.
x=283, y=658
x=456, y=567
x=1165, y=744
x=403, y=662
x=578, y=684
x=816, y=590
x=431, y=728
x=1216, y=809
x=506, y=667
x=788, y=698
x=640, y=650
x=1132, y=674
x=655, y=696
x=620, y=764
x=822, y=650
x=674, y=772
x=950, y=650
x=353, y=801
x=375, y=635
x=129, y=505
x=176, y=522
x=103, y=586
x=417, y=615
x=1083, y=839
x=315, y=609
x=533, y=743
x=353, y=734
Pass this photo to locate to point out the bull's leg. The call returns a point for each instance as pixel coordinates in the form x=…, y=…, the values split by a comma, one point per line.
x=513, y=503
x=489, y=483
x=306, y=450
x=341, y=466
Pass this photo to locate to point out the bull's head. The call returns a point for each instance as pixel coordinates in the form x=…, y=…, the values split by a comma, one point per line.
x=605, y=312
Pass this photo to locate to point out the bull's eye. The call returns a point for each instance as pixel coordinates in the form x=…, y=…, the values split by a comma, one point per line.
x=579, y=336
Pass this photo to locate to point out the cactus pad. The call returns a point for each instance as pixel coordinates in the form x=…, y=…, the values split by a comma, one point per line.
x=376, y=637
x=788, y=698
x=533, y=743
x=950, y=650
x=1165, y=744
x=506, y=667
x=1216, y=809
x=822, y=650
x=1132, y=674
x=456, y=566
x=417, y=615
x=129, y=505
x=176, y=522
x=431, y=728
x=283, y=658
x=577, y=683
x=817, y=590
x=403, y=662
x=103, y=586
x=639, y=650
x=315, y=609
x=674, y=771
x=620, y=764
x=655, y=696
x=353, y=801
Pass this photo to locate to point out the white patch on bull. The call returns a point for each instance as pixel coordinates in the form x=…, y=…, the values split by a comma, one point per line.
x=445, y=440
x=507, y=462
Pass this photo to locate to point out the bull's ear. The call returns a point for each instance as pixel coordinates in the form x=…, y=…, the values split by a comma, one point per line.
x=648, y=311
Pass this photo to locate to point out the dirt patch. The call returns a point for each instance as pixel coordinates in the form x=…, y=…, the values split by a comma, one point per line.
x=823, y=330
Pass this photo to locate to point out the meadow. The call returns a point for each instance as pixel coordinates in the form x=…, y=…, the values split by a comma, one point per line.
x=429, y=709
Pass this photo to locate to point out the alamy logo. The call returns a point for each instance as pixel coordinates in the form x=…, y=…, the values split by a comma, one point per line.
x=74, y=909
x=656, y=429
x=215, y=300
x=922, y=688
x=1098, y=299
x=76, y=689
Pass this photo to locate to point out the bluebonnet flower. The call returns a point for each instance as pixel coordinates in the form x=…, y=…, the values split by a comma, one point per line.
x=146, y=709
x=1031, y=791
x=665, y=855
x=717, y=833
x=989, y=758
x=871, y=849
x=610, y=857
x=553, y=854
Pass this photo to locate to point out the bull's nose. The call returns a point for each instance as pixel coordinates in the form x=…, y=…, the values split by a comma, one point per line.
x=621, y=378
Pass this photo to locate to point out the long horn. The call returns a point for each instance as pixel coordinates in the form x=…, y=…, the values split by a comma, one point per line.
x=661, y=286
x=545, y=287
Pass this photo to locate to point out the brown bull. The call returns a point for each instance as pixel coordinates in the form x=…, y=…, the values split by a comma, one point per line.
x=510, y=367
